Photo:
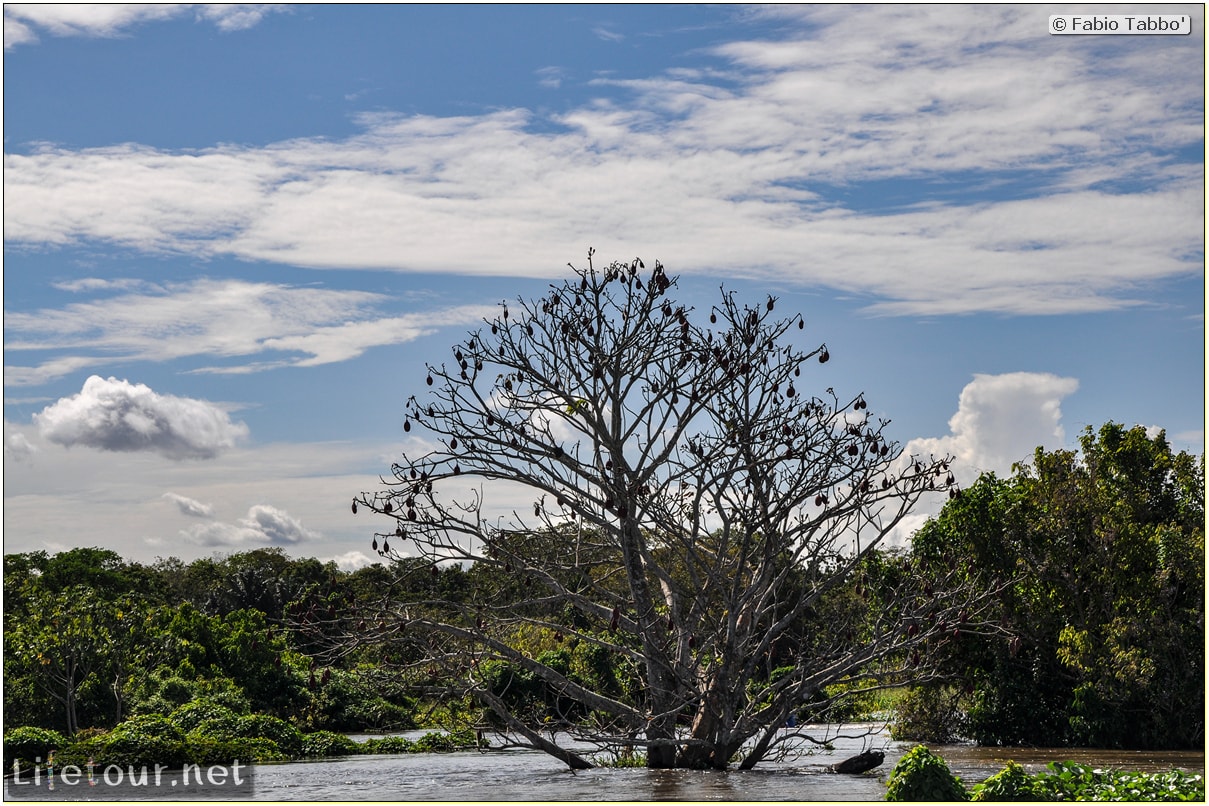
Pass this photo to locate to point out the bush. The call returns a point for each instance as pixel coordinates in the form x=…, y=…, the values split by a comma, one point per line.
x=922, y=776
x=141, y=741
x=28, y=745
x=1073, y=781
x=194, y=713
x=205, y=750
x=927, y=714
x=433, y=742
x=446, y=742
x=388, y=745
x=260, y=726
x=253, y=736
x=1011, y=783
x=326, y=743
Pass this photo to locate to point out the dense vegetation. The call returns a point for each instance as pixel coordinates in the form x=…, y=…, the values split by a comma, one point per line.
x=922, y=776
x=1102, y=553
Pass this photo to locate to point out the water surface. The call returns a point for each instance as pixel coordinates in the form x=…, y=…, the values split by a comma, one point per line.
x=525, y=775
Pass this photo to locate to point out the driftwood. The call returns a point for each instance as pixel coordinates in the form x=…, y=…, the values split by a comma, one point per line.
x=862, y=763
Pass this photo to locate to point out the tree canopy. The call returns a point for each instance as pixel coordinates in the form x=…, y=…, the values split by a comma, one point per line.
x=1105, y=552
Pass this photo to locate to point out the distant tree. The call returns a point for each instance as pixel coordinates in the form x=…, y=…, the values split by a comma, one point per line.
x=1104, y=549
x=681, y=501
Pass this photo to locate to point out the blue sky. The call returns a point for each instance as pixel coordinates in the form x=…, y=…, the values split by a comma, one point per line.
x=234, y=234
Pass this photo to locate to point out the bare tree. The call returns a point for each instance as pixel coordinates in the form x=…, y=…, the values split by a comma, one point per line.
x=680, y=501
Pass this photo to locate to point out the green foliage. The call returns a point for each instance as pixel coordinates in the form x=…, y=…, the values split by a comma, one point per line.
x=1099, y=558
x=1009, y=784
x=365, y=698
x=431, y=742
x=928, y=714
x=28, y=745
x=143, y=740
x=388, y=745
x=1071, y=781
x=922, y=776
x=192, y=714
x=262, y=726
x=325, y=743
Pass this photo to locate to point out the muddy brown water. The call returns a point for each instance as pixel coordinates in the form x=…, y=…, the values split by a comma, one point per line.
x=523, y=775
x=516, y=775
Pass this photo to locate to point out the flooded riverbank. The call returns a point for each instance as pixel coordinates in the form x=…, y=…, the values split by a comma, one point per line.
x=801, y=774
x=520, y=775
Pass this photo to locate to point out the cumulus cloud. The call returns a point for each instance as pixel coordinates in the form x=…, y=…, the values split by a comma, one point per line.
x=116, y=415
x=18, y=447
x=190, y=507
x=1000, y=420
x=350, y=560
x=22, y=21
x=215, y=319
x=264, y=526
x=1038, y=179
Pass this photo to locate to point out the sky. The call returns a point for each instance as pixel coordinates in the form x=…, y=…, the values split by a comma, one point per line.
x=234, y=234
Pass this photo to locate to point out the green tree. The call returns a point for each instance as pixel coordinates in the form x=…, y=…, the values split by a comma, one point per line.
x=62, y=645
x=690, y=506
x=1101, y=553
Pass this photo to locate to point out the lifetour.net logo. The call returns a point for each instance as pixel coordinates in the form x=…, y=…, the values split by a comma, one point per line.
x=53, y=782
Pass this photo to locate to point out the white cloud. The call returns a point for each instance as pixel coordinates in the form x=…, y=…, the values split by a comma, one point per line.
x=190, y=507
x=746, y=170
x=18, y=447
x=308, y=485
x=86, y=284
x=264, y=525
x=1001, y=420
x=114, y=19
x=607, y=35
x=116, y=415
x=215, y=319
x=550, y=77
x=350, y=560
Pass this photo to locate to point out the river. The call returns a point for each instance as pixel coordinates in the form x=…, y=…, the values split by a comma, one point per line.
x=521, y=775
x=525, y=775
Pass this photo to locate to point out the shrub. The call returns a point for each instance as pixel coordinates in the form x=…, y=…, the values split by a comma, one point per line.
x=252, y=736
x=927, y=714
x=1011, y=783
x=1073, y=781
x=433, y=742
x=921, y=776
x=205, y=750
x=326, y=743
x=388, y=745
x=28, y=745
x=261, y=726
x=194, y=713
x=142, y=741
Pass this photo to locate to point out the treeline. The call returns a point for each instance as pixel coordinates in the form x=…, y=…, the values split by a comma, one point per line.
x=91, y=639
x=1096, y=560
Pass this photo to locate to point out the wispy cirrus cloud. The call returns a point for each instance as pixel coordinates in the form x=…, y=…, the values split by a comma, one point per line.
x=23, y=22
x=1034, y=175
x=213, y=319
